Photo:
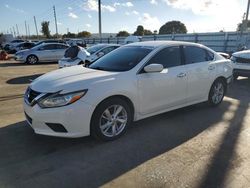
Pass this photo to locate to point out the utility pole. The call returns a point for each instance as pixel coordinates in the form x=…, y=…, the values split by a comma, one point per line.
x=36, y=27
x=248, y=4
x=54, y=8
x=100, y=18
x=17, y=30
x=14, y=31
x=29, y=30
x=26, y=32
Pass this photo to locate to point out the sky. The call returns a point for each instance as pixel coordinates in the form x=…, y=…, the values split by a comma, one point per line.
x=117, y=15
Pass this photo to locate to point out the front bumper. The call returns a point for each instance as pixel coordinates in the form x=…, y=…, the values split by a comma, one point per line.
x=74, y=118
x=20, y=58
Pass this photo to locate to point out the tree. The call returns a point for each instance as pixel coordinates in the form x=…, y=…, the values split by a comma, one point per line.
x=45, y=28
x=69, y=35
x=173, y=27
x=122, y=34
x=242, y=27
x=84, y=34
x=147, y=32
x=139, y=31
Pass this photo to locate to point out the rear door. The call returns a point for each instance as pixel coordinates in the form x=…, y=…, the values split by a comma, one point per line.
x=59, y=51
x=201, y=72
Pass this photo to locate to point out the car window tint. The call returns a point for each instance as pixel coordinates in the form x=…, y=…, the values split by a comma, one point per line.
x=210, y=55
x=59, y=46
x=48, y=47
x=194, y=54
x=107, y=50
x=122, y=59
x=168, y=57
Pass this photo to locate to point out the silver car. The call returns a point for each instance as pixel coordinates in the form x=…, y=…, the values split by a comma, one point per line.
x=46, y=52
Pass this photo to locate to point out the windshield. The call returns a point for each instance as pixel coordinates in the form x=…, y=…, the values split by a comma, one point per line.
x=121, y=59
x=95, y=48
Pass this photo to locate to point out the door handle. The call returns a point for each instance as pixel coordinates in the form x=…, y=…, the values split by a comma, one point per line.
x=181, y=75
x=211, y=67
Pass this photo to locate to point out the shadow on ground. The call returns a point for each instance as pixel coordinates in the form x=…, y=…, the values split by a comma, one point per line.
x=23, y=79
x=29, y=160
x=17, y=63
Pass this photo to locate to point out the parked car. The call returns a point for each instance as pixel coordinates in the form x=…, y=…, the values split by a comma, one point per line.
x=78, y=42
x=23, y=46
x=74, y=55
x=47, y=52
x=98, y=51
x=133, y=82
x=132, y=38
x=50, y=41
x=10, y=47
x=241, y=63
x=225, y=55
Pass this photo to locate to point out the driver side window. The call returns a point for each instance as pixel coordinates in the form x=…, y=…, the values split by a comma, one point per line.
x=168, y=57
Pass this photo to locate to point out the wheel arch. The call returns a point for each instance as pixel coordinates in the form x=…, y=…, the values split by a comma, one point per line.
x=123, y=97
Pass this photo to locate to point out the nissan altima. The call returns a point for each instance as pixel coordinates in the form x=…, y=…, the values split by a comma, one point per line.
x=133, y=82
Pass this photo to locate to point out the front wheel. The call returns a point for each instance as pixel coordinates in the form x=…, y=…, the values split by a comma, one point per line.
x=110, y=119
x=217, y=92
x=32, y=59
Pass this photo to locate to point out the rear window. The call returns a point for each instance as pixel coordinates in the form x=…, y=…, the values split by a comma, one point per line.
x=195, y=54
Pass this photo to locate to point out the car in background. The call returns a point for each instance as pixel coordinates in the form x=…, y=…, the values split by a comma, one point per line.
x=23, y=46
x=9, y=47
x=225, y=55
x=78, y=42
x=241, y=63
x=50, y=41
x=98, y=51
x=132, y=38
x=133, y=82
x=47, y=52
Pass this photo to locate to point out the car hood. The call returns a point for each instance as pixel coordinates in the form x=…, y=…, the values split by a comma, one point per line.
x=242, y=54
x=69, y=79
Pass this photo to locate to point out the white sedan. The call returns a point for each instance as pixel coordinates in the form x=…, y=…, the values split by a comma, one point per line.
x=135, y=81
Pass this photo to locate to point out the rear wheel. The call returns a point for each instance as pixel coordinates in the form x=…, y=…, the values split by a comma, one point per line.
x=32, y=59
x=110, y=119
x=217, y=92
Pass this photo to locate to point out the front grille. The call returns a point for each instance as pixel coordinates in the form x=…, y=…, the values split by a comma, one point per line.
x=242, y=60
x=31, y=95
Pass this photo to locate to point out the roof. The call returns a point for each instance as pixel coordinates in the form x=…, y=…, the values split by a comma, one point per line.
x=155, y=44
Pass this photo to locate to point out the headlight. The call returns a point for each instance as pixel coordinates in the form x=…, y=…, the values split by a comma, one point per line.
x=57, y=99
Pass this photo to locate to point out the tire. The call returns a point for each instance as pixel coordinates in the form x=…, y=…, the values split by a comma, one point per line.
x=31, y=59
x=217, y=92
x=110, y=119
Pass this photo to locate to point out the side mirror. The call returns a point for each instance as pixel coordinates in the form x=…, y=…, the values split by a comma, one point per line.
x=100, y=54
x=153, y=68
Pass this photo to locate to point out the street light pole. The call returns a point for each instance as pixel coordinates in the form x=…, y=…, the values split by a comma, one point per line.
x=100, y=18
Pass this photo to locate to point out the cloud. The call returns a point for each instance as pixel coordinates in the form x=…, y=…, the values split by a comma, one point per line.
x=135, y=12
x=214, y=9
x=132, y=12
x=15, y=9
x=59, y=23
x=127, y=4
x=153, y=2
x=70, y=8
x=88, y=25
x=89, y=15
x=150, y=22
x=72, y=15
x=92, y=5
